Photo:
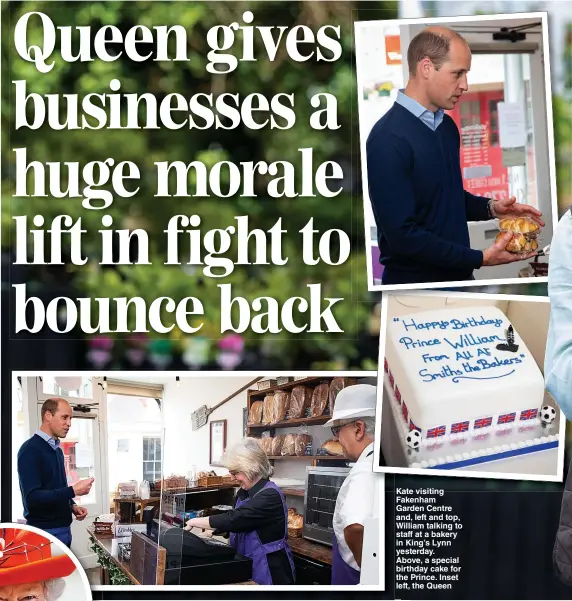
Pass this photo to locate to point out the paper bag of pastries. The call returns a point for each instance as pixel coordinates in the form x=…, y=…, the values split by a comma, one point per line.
x=281, y=406
x=319, y=400
x=268, y=409
x=255, y=413
x=300, y=399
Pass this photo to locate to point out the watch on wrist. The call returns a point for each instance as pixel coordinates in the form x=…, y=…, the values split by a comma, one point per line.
x=490, y=209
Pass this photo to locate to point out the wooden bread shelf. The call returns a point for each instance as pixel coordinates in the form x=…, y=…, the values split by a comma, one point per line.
x=289, y=385
x=293, y=492
x=292, y=423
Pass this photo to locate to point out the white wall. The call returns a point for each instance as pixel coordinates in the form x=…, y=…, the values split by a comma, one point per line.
x=184, y=447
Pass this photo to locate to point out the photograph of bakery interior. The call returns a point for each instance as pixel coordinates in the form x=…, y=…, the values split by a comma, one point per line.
x=210, y=479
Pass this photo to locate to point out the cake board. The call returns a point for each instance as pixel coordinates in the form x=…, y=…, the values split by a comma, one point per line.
x=515, y=447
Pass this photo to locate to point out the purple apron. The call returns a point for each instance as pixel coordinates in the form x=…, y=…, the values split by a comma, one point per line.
x=249, y=544
x=342, y=573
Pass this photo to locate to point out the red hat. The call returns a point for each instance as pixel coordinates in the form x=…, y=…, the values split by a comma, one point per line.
x=27, y=557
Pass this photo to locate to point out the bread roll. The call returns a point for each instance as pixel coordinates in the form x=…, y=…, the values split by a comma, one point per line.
x=519, y=225
x=296, y=521
x=319, y=400
x=300, y=399
x=333, y=447
x=255, y=413
x=519, y=243
x=280, y=406
x=268, y=411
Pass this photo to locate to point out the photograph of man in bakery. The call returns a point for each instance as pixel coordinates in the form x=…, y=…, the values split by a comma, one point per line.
x=353, y=426
x=454, y=150
x=218, y=479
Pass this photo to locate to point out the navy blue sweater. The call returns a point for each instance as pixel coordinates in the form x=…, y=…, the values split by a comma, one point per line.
x=46, y=496
x=421, y=208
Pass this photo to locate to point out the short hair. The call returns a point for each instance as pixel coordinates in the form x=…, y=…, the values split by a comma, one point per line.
x=249, y=457
x=50, y=405
x=435, y=46
x=54, y=588
x=368, y=422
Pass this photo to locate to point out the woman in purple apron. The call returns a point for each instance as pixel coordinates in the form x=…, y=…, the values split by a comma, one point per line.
x=258, y=524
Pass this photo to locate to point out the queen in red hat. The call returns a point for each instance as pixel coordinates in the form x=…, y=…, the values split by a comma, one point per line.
x=28, y=570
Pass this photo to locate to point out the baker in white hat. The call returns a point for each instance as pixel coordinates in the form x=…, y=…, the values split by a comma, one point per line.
x=353, y=425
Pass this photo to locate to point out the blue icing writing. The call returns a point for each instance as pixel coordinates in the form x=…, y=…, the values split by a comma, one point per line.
x=498, y=362
x=410, y=343
x=473, y=322
x=429, y=325
x=464, y=355
x=486, y=352
x=455, y=324
x=427, y=358
x=466, y=340
x=457, y=378
x=446, y=372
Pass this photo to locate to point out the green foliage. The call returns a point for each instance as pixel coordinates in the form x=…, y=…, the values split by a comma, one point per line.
x=116, y=576
x=147, y=146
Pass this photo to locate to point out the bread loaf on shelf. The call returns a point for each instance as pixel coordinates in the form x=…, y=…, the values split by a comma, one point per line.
x=268, y=411
x=300, y=399
x=289, y=445
x=336, y=385
x=319, y=400
x=302, y=442
x=277, y=443
x=281, y=406
x=255, y=413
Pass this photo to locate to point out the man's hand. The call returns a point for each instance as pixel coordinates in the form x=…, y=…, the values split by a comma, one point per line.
x=497, y=255
x=79, y=512
x=510, y=208
x=82, y=487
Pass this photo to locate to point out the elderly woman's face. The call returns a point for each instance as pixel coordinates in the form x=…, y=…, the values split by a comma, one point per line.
x=242, y=479
x=34, y=591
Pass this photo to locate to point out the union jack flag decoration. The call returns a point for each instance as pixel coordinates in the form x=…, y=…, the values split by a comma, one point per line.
x=391, y=380
x=405, y=412
x=506, y=418
x=412, y=426
x=397, y=394
x=528, y=414
x=459, y=427
x=484, y=422
x=438, y=431
x=385, y=366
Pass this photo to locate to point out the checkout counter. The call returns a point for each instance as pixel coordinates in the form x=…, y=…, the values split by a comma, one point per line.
x=160, y=552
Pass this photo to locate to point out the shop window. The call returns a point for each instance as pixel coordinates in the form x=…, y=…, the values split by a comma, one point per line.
x=494, y=122
x=151, y=459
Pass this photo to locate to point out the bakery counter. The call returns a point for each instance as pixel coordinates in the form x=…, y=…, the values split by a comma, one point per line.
x=311, y=550
x=313, y=562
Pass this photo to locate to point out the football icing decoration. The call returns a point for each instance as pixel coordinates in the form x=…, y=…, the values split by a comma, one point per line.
x=548, y=414
x=413, y=439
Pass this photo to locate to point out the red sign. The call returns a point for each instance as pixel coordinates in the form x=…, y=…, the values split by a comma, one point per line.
x=482, y=169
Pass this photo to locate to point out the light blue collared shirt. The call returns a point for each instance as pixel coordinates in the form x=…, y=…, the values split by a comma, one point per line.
x=558, y=359
x=431, y=120
x=52, y=442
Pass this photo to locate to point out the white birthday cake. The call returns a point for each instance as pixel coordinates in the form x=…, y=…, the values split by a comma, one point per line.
x=459, y=370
